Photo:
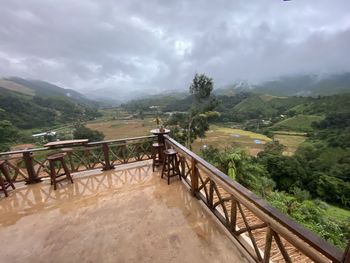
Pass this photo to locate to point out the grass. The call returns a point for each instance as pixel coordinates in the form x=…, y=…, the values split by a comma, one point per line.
x=267, y=97
x=298, y=123
x=291, y=142
x=222, y=137
x=290, y=133
x=338, y=213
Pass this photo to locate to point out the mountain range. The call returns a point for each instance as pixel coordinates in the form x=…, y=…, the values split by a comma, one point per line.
x=42, y=89
x=297, y=85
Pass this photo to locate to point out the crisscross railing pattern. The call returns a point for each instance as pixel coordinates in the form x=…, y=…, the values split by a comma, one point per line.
x=31, y=165
x=263, y=233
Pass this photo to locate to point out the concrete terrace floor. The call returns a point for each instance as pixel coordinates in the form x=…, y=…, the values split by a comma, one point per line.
x=128, y=214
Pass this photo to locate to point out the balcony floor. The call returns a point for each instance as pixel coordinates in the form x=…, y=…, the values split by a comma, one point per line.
x=125, y=215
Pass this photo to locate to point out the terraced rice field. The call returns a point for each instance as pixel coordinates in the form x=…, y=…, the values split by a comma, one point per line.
x=222, y=137
x=217, y=136
x=118, y=129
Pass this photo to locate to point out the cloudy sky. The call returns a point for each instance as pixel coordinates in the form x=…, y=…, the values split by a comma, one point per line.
x=156, y=45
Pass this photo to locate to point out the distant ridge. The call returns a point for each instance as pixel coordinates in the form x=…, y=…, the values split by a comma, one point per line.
x=296, y=85
x=43, y=89
x=307, y=85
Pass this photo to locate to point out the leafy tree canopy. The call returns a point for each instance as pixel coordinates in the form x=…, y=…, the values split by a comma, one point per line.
x=83, y=132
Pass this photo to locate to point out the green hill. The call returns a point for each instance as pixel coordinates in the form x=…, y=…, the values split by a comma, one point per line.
x=43, y=89
x=10, y=85
x=27, y=107
x=302, y=123
x=306, y=85
x=255, y=105
x=323, y=105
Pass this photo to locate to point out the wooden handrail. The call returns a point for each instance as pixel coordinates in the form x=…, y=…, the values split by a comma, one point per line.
x=122, y=140
x=233, y=187
x=87, y=144
x=24, y=151
x=33, y=165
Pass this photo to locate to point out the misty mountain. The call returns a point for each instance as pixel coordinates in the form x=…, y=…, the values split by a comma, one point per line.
x=306, y=85
x=296, y=85
x=44, y=89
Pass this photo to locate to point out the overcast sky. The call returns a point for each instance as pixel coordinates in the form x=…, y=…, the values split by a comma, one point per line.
x=159, y=44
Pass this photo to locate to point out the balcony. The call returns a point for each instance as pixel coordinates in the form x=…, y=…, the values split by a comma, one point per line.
x=119, y=210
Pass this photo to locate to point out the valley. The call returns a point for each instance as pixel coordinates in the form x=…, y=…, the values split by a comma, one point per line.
x=291, y=150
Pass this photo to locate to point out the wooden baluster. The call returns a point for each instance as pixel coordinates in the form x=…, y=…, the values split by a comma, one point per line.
x=70, y=158
x=281, y=247
x=32, y=176
x=211, y=194
x=194, y=177
x=268, y=243
x=125, y=152
x=105, y=149
x=183, y=166
x=233, y=215
x=346, y=257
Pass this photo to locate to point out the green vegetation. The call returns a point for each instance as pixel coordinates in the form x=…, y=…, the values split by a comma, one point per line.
x=82, y=132
x=194, y=123
x=338, y=213
x=302, y=123
x=8, y=135
x=28, y=112
x=289, y=184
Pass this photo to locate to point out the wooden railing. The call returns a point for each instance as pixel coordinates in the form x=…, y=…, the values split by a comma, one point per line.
x=32, y=165
x=265, y=234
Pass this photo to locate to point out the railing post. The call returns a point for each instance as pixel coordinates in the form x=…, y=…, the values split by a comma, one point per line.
x=105, y=149
x=183, y=167
x=211, y=194
x=346, y=257
x=28, y=161
x=268, y=243
x=194, y=177
x=233, y=215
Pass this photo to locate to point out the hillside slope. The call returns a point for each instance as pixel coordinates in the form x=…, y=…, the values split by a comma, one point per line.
x=43, y=89
x=28, y=108
x=306, y=85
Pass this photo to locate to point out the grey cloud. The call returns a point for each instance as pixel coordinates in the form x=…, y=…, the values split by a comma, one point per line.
x=158, y=45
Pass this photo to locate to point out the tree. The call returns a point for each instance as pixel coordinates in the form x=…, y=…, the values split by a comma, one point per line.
x=8, y=134
x=239, y=166
x=334, y=190
x=82, y=132
x=201, y=108
x=195, y=122
x=201, y=87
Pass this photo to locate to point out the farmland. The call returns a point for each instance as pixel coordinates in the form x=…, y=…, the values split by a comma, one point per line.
x=290, y=141
x=118, y=129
